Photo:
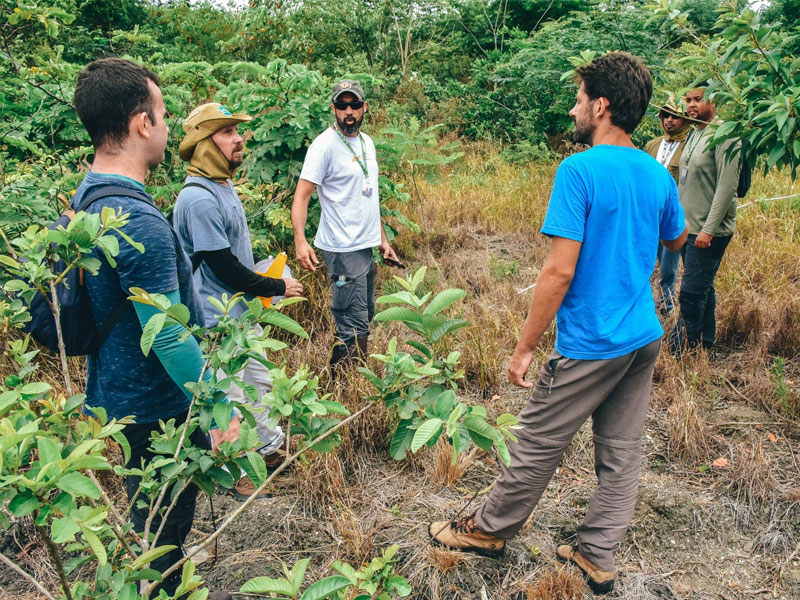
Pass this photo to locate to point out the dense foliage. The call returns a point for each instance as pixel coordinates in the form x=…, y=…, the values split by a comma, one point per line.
x=484, y=69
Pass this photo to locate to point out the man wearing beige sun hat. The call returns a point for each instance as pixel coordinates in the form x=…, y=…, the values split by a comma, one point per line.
x=667, y=149
x=212, y=228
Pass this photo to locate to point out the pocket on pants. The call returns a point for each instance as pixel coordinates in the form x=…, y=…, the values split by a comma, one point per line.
x=343, y=293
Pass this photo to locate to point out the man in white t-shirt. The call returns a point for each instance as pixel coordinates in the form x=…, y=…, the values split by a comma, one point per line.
x=341, y=165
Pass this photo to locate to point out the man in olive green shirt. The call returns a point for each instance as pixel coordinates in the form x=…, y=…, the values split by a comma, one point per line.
x=707, y=184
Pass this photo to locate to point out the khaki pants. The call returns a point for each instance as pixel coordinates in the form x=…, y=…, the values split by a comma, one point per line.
x=616, y=394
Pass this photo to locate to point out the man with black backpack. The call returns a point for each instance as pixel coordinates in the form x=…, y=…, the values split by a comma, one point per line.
x=121, y=106
x=708, y=180
x=212, y=228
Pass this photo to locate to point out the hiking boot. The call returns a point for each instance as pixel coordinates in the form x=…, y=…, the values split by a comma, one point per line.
x=600, y=582
x=465, y=535
x=244, y=488
x=273, y=461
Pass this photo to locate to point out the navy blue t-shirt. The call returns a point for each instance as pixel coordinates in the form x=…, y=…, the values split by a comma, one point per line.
x=119, y=377
x=618, y=202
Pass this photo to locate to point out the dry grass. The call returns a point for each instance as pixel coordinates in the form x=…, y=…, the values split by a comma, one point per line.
x=440, y=468
x=319, y=482
x=444, y=560
x=558, y=584
x=689, y=438
x=751, y=480
x=352, y=533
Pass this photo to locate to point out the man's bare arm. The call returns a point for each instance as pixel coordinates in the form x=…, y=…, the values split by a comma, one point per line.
x=678, y=242
x=304, y=251
x=551, y=287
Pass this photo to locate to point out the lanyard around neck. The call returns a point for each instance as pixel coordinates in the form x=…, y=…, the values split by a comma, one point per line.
x=363, y=165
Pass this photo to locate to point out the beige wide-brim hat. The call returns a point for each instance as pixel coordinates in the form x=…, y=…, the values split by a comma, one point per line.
x=206, y=120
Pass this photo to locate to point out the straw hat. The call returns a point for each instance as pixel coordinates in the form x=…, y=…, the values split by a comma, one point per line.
x=206, y=120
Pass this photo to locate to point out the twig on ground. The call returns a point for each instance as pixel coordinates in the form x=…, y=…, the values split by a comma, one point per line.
x=19, y=571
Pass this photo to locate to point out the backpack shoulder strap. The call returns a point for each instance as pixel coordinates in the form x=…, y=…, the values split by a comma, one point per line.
x=111, y=190
x=196, y=260
x=198, y=185
x=104, y=192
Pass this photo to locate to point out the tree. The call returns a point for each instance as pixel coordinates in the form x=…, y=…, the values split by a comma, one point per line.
x=753, y=77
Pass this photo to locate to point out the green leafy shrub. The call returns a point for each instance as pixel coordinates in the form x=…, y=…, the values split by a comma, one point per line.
x=419, y=387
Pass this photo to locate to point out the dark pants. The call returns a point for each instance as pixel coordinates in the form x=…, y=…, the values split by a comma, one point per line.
x=353, y=292
x=697, y=323
x=179, y=521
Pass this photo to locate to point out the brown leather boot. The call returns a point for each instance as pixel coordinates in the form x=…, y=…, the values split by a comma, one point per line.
x=244, y=488
x=465, y=535
x=600, y=582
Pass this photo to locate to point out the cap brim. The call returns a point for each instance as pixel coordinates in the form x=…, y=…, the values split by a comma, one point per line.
x=349, y=91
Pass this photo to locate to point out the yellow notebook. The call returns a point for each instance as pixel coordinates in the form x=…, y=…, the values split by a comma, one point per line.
x=275, y=271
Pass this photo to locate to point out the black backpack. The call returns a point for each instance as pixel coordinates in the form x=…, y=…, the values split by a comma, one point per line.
x=80, y=333
x=744, y=179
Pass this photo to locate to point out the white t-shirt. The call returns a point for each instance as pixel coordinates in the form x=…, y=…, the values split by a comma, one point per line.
x=350, y=208
x=666, y=150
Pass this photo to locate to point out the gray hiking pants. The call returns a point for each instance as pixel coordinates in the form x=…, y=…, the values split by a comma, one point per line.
x=353, y=290
x=616, y=394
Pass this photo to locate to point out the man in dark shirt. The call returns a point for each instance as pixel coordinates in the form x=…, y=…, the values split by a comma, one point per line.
x=121, y=106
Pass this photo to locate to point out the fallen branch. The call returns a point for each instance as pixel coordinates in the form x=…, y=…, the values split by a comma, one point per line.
x=19, y=571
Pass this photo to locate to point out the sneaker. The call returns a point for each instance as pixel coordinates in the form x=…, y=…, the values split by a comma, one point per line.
x=465, y=535
x=244, y=488
x=600, y=582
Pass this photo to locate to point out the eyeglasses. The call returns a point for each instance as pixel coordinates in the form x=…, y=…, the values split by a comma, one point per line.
x=355, y=105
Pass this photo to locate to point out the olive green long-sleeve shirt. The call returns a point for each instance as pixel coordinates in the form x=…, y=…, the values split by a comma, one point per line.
x=707, y=185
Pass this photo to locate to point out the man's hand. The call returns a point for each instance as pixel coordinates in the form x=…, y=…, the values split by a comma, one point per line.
x=703, y=240
x=387, y=251
x=293, y=288
x=305, y=256
x=518, y=368
x=218, y=437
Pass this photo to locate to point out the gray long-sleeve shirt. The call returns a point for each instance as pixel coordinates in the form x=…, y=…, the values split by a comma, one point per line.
x=707, y=185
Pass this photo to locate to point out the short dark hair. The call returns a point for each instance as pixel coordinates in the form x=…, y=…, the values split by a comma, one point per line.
x=624, y=81
x=109, y=92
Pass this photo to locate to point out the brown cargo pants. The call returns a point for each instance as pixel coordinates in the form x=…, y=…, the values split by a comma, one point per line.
x=616, y=394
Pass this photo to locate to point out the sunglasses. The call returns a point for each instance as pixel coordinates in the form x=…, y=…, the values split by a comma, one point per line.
x=355, y=105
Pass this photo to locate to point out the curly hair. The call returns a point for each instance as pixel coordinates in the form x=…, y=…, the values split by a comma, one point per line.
x=624, y=81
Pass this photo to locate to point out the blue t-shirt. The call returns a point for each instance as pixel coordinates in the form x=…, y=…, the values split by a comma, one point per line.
x=618, y=202
x=213, y=219
x=119, y=377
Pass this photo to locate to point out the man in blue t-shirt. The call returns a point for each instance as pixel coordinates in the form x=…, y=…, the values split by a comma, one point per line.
x=609, y=207
x=121, y=106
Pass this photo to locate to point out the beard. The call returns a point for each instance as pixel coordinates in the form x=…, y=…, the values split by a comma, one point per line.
x=584, y=130
x=349, y=125
x=235, y=161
